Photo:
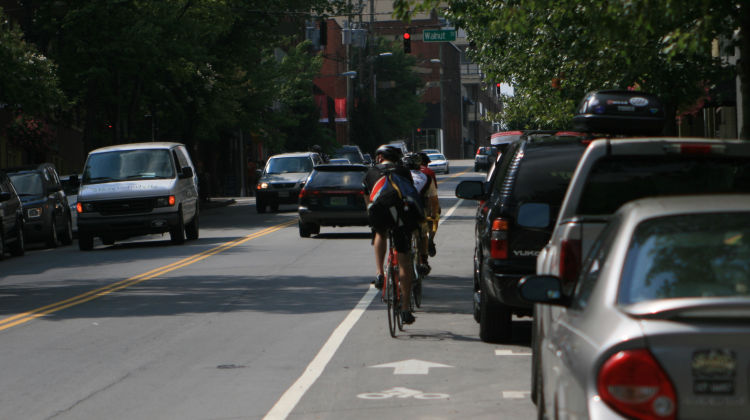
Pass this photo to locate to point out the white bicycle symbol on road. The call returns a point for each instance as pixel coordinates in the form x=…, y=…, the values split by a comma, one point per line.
x=401, y=392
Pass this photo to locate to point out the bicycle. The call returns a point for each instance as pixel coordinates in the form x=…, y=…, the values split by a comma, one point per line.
x=392, y=289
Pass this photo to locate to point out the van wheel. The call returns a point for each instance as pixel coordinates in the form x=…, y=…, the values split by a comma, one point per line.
x=108, y=240
x=177, y=233
x=191, y=229
x=19, y=246
x=52, y=240
x=494, y=320
x=85, y=241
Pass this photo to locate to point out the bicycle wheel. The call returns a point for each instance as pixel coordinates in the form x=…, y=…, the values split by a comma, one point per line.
x=397, y=296
x=416, y=283
x=390, y=299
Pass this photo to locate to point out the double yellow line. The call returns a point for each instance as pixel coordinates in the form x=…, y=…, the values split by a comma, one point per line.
x=21, y=318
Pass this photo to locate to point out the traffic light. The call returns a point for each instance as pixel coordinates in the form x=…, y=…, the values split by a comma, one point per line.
x=407, y=42
x=498, y=89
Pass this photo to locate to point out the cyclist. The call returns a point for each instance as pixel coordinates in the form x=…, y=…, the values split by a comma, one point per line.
x=427, y=187
x=388, y=157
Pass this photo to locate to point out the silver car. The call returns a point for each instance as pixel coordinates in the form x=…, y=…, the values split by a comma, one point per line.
x=658, y=324
x=283, y=178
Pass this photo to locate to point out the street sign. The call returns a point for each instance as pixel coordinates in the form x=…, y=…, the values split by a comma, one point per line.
x=438, y=35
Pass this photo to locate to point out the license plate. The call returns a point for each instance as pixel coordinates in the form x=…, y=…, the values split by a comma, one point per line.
x=714, y=372
x=283, y=193
x=338, y=201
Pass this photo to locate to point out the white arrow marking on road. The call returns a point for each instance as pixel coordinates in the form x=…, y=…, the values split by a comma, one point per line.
x=515, y=395
x=509, y=353
x=411, y=367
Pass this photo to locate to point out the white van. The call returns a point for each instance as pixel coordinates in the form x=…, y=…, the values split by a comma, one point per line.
x=137, y=189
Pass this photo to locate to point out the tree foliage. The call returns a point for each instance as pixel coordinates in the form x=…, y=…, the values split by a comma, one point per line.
x=554, y=51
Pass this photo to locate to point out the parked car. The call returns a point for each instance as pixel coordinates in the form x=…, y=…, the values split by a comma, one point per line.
x=283, y=178
x=71, y=184
x=350, y=152
x=429, y=151
x=657, y=326
x=11, y=219
x=514, y=223
x=483, y=157
x=333, y=196
x=438, y=163
x=138, y=189
x=46, y=212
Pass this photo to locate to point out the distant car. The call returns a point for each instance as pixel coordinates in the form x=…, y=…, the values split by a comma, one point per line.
x=283, y=178
x=368, y=159
x=11, y=219
x=339, y=161
x=438, y=163
x=333, y=196
x=657, y=325
x=46, y=211
x=430, y=151
x=350, y=152
x=71, y=184
x=483, y=158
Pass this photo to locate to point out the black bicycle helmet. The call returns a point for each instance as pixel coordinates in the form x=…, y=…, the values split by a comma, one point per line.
x=390, y=152
x=412, y=160
x=425, y=159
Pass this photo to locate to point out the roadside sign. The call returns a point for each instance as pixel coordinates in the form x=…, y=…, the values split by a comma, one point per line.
x=438, y=35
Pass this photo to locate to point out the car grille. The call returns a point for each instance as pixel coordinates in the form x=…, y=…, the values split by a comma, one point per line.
x=108, y=208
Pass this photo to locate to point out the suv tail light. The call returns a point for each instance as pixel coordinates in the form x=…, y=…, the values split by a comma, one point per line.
x=633, y=383
x=570, y=260
x=304, y=193
x=499, y=239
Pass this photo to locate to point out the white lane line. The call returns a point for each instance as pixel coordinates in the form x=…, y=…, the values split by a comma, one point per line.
x=506, y=352
x=292, y=396
x=515, y=395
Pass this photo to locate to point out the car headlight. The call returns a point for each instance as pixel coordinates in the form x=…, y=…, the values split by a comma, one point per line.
x=34, y=212
x=263, y=186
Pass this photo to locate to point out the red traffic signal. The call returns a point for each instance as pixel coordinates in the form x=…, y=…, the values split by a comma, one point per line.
x=407, y=42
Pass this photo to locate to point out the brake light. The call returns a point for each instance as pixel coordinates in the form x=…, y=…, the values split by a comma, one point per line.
x=633, y=383
x=479, y=150
x=570, y=260
x=499, y=239
x=696, y=148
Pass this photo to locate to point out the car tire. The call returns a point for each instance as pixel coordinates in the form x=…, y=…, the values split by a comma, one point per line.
x=494, y=320
x=108, y=240
x=304, y=231
x=2, y=245
x=53, y=241
x=85, y=241
x=314, y=228
x=447, y=170
x=19, y=246
x=177, y=233
x=67, y=237
x=192, y=229
x=260, y=206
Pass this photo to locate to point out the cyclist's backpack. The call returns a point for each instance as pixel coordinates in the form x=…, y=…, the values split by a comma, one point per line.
x=394, y=202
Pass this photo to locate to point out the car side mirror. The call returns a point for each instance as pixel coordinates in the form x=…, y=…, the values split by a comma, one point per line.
x=187, y=172
x=470, y=190
x=542, y=289
x=5, y=196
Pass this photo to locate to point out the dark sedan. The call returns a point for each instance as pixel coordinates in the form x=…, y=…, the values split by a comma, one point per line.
x=333, y=196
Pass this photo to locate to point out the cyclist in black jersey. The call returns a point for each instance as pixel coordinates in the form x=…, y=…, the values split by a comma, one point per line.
x=388, y=157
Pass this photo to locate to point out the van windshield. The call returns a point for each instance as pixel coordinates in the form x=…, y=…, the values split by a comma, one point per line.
x=128, y=165
x=29, y=183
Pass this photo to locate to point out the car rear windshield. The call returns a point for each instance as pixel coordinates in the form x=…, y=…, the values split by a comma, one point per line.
x=543, y=172
x=127, y=165
x=291, y=164
x=337, y=179
x=353, y=155
x=616, y=180
x=697, y=255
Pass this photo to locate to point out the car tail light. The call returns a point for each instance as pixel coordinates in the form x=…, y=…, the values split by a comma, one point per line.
x=696, y=148
x=633, y=383
x=304, y=193
x=479, y=150
x=570, y=259
x=499, y=239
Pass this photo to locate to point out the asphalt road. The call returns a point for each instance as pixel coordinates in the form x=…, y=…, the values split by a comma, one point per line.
x=251, y=322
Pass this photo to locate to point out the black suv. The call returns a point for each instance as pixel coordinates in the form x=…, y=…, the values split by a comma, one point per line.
x=45, y=206
x=519, y=206
x=11, y=219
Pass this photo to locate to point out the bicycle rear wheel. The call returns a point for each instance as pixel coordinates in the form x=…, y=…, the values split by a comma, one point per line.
x=416, y=285
x=391, y=300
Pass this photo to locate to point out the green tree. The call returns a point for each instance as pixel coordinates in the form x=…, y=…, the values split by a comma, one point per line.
x=553, y=51
x=394, y=111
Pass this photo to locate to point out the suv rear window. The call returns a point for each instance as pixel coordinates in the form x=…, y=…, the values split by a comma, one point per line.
x=289, y=164
x=543, y=172
x=616, y=180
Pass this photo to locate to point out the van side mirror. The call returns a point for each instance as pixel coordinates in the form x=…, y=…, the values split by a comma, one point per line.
x=470, y=190
x=4, y=196
x=187, y=172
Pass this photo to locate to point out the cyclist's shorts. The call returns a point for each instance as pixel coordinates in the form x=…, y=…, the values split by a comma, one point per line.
x=401, y=238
